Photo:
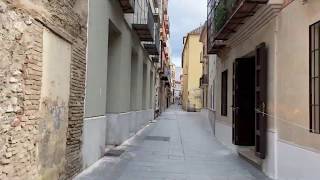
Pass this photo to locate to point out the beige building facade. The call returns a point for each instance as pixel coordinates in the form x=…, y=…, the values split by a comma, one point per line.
x=275, y=47
x=192, y=71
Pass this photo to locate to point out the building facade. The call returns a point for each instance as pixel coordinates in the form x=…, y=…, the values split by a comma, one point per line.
x=43, y=50
x=192, y=71
x=267, y=81
x=172, y=82
x=177, y=87
x=164, y=68
x=208, y=78
x=123, y=50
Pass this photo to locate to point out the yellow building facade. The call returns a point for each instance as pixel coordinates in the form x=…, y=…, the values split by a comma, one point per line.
x=192, y=71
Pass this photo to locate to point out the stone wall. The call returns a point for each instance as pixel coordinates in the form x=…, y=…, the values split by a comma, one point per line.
x=21, y=43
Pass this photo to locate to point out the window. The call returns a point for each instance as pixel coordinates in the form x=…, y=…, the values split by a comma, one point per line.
x=314, y=67
x=224, y=93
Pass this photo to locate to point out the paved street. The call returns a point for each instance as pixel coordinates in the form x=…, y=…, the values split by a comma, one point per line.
x=179, y=146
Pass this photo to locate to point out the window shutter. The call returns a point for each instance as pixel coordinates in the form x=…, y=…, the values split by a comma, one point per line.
x=261, y=100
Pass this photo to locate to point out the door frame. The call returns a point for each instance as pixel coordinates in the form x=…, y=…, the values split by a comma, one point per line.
x=239, y=107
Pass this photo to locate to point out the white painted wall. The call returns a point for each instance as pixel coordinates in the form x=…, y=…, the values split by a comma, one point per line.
x=270, y=164
x=297, y=163
x=119, y=69
x=212, y=77
x=223, y=132
x=97, y=46
x=110, y=117
x=94, y=138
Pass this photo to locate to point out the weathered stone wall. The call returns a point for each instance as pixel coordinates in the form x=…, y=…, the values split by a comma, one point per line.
x=21, y=44
x=19, y=94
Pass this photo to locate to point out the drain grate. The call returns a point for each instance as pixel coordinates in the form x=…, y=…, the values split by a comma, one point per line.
x=157, y=138
x=114, y=153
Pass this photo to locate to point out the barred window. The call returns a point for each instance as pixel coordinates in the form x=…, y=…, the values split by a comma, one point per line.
x=314, y=67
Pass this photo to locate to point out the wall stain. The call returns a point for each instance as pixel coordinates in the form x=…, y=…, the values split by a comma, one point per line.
x=53, y=138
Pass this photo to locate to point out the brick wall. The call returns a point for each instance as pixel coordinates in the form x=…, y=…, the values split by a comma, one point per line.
x=76, y=110
x=21, y=27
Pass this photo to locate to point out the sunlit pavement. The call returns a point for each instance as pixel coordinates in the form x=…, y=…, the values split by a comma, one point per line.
x=179, y=146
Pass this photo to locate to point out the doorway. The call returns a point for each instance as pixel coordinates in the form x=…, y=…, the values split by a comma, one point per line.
x=114, y=54
x=134, y=81
x=144, y=87
x=244, y=101
x=249, y=97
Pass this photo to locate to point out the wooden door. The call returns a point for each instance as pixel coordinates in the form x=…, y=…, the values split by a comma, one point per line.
x=235, y=107
x=261, y=100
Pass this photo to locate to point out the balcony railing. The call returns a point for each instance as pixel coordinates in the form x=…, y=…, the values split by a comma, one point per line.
x=156, y=15
x=166, y=74
x=166, y=52
x=153, y=48
x=225, y=17
x=204, y=80
x=166, y=24
x=127, y=5
x=143, y=21
x=201, y=57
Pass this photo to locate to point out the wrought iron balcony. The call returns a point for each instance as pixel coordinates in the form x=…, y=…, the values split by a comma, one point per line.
x=166, y=76
x=166, y=24
x=153, y=48
x=156, y=59
x=204, y=80
x=203, y=55
x=127, y=5
x=202, y=58
x=166, y=52
x=225, y=17
x=143, y=21
x=156, y=15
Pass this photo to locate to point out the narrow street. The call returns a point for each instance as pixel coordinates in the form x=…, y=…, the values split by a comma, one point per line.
x=179, y=146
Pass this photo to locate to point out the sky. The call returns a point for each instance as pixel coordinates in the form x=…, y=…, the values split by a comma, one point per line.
x=185, y=15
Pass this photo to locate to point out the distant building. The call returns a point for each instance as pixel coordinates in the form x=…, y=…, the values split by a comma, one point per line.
x=164, y=66
x=172, y=82
x=177, y=88
x=192, y=71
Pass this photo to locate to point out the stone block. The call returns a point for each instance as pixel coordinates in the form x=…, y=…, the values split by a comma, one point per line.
x=133, y=122
x=118, y=128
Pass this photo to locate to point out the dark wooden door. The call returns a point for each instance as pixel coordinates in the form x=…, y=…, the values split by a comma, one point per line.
x=235, y=115
x=261, y=101
x=243, y=87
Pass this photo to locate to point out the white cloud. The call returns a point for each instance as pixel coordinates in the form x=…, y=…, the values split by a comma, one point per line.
x=185, y=15
x=176, y=60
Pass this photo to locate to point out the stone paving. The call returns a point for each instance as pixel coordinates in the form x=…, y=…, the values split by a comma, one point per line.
x=179, y=146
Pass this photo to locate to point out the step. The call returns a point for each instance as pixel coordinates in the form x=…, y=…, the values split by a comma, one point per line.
x=248, y=154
